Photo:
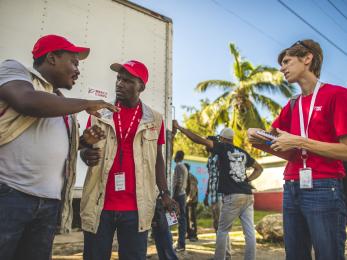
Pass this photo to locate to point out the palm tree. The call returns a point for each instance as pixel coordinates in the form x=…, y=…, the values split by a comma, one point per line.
x=237, y=106
x=193, y=121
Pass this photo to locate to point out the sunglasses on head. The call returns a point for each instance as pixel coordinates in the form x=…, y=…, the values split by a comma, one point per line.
x=303, y=45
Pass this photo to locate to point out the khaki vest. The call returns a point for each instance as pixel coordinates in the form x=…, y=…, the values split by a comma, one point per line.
x=145, y=155
x=70, y=172
x=13, y=124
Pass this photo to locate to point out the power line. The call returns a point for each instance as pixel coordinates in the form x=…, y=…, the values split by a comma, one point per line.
x=331, y=17
x=337, y=9
x=269, y=36
x=313, y=28
x=248, y=23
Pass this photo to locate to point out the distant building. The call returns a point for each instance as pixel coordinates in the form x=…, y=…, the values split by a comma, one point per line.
x=268, y=187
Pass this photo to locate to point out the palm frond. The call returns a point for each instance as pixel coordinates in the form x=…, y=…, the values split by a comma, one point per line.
x=247, y=116
x=241, y=121
x=252, y=117
x=246, y=69
x=261, y=69
x=268, y=103
x=217, y=112
x=222, y=84
x=283, y=88
x=269, y=79
x=237, y=60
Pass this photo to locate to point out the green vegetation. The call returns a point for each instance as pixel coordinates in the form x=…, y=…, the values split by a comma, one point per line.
x=252, y=87
x=194, y=122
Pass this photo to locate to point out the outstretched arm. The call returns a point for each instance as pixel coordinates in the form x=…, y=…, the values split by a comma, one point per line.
x=22, y=97
x=194, y=137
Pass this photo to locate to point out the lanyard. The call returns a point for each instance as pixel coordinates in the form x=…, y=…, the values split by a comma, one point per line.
x=122, y=140
x=303, y=131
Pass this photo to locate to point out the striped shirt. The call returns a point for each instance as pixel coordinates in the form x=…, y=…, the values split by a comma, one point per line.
x=213, y=174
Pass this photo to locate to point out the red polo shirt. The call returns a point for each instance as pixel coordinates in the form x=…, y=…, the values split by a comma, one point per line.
x=125, y=200
x=328, y=123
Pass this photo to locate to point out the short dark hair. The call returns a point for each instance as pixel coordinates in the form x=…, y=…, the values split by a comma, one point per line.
x=179, y=155
x=187, y=166
x=38, y=61
x=301, y=49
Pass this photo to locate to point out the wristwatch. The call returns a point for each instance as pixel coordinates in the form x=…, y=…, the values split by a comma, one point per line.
x=163, y=192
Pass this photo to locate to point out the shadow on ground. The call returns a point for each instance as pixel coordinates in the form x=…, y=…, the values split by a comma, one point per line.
x=70, y=247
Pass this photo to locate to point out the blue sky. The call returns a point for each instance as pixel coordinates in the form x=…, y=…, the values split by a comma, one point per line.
x=202, y=30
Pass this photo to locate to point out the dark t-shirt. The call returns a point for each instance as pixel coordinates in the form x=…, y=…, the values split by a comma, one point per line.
x=233, y=164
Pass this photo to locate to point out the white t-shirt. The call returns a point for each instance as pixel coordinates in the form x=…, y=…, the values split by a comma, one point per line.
x=34, y=162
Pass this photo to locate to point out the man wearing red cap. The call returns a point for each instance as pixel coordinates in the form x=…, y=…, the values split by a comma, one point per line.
x=120, y=188
x=38, y=147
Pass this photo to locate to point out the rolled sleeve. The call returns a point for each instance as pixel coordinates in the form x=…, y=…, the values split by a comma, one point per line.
x=11, y=70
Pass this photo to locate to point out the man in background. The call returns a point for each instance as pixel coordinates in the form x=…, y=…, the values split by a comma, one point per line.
x=212, y=185
x=238, y=199
x=192, y=203
x=179, y=187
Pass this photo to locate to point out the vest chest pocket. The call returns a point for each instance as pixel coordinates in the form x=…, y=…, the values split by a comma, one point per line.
x=150, y=135
x=149, y=144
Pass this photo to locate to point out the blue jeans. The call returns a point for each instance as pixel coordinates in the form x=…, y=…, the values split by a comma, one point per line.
x=182, y=222
x=132, y=244
x=314, y=217
x=27, y=225
x=236, y=206
x=163, y=243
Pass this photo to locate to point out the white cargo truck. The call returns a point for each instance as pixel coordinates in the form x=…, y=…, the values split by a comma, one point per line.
x=115, y=30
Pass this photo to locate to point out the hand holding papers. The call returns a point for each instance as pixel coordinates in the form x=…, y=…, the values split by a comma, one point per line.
x=264, y=141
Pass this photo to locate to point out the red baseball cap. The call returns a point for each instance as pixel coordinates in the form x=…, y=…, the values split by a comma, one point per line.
x=53, y=42
x=134, y=67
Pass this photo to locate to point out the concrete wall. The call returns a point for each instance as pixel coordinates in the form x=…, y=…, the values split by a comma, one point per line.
x=270, y=180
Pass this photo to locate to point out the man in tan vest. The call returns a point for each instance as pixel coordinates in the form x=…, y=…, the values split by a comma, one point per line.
x=38, y=147
x=126, y=170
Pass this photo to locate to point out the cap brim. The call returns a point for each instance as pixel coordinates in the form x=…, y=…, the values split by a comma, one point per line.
x=82, y=51
x=116, y=67
x=227, y=137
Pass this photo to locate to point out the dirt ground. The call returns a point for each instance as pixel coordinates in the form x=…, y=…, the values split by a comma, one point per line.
x=70, y=247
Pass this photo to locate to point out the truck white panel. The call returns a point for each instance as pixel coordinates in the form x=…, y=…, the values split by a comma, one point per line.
x=116, y=31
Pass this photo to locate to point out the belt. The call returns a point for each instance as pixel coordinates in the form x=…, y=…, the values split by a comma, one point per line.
x=292, y=180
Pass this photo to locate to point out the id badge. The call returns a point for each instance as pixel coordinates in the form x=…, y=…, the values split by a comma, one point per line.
x=119, y=181
x=306, y=178
x=171, y=218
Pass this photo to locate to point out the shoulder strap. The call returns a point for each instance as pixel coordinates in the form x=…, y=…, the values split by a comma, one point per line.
x=292, y=101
